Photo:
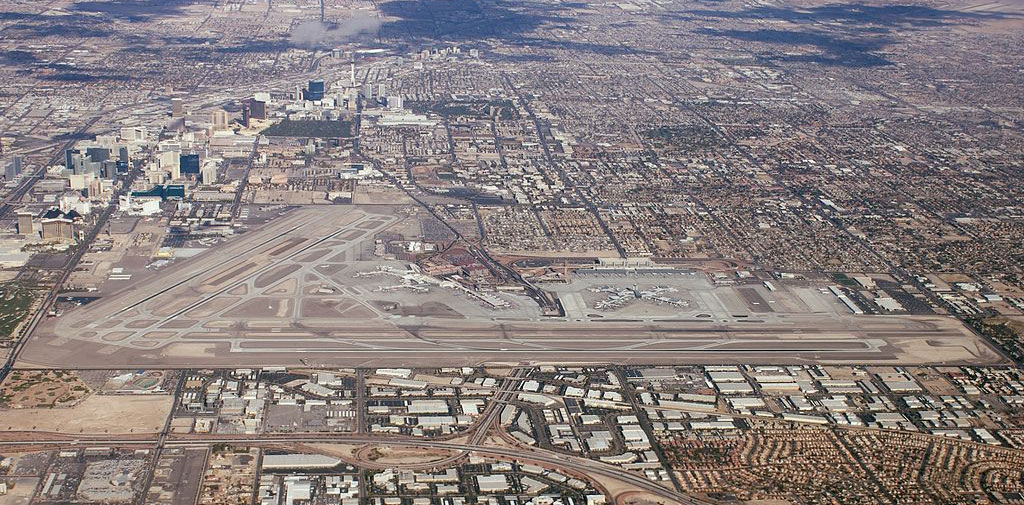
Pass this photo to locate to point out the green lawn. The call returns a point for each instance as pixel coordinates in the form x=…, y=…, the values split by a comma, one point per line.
x=309, y=128
x=15, y=301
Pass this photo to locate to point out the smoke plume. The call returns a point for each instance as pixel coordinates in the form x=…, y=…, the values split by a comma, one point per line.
x=315, y=35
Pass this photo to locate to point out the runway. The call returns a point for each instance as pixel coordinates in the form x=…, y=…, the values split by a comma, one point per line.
x=306, y=290
x=533, y=344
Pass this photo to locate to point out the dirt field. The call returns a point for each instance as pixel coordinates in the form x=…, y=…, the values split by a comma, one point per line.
x=96, y=414
x=383, y=455
x=31, y=389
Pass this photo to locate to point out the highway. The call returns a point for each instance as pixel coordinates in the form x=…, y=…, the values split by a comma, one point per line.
x=236, y=204
x=13, y=200
x=477, y=442
x=497, y=268
x=492, y=412
x=574, y=464
x=69, y=266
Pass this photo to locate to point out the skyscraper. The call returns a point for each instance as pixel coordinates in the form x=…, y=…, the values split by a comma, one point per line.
x=257, y=109
x=246, y=113
x=177, y=107
x=220, y=120
x=170, y=161
x=13, y=167
x=209, y=175
x=133, y=133
x=189, y=164
x=24, y=223
x=58, y=225
x=253, y=109
x=98, y=154
x=315, y=91
x=72, y=159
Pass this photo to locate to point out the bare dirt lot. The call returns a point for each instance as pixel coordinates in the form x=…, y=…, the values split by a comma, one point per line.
x=93, y=415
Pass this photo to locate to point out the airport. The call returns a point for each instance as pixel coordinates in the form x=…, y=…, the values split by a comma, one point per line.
x=351, y=252
x=304, y=290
